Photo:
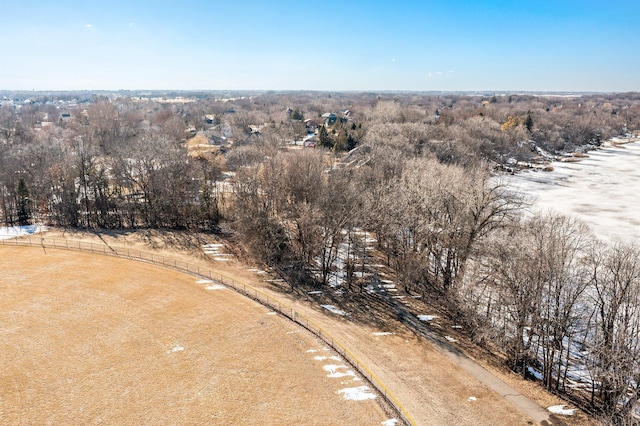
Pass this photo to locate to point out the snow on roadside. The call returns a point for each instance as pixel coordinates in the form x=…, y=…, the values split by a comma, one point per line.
x=559, y=409
x=7, y=232
x=390, y=422
x=361, y=393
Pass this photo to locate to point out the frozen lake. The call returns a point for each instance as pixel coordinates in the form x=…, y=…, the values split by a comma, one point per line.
x=602, y=190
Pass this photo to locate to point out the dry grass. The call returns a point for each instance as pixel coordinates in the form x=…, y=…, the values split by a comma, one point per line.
x=90, y=339
x=429, y=385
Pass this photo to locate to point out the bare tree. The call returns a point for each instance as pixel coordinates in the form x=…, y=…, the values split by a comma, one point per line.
x=616, y=346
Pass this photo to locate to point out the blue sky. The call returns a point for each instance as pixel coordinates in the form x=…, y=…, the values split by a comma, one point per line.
x=300, y=45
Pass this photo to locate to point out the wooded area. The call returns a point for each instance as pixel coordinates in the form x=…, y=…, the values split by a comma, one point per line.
x=307, y=181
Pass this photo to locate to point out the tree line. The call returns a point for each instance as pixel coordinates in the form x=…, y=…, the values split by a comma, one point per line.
x=414, y=173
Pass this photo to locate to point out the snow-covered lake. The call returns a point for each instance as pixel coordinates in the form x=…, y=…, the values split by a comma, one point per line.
x=602, y=190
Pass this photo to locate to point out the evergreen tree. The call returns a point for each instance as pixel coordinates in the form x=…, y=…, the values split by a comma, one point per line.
x=324, y=137
x=23, y=203
x=528, y=123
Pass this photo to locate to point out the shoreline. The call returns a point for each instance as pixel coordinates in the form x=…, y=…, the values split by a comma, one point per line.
x=544, y=163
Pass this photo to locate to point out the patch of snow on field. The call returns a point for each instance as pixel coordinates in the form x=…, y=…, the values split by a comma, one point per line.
x=471, y=399
x=311, y=351
x=390, y=422
x=204, y=282
x=361, y=393
x=382, y=333
x=176, y=348
x=7, y=232
x=272, y=313
x=335, y=310
x=323, y=358
x=427, y=317
x=335, y=374
x=450, y=339
x=314, y=292
x=215, y=287
x=559, y=409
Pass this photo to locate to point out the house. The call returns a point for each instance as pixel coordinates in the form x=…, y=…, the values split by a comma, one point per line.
x=311, y=142
x=329, y=118
x=311, y=125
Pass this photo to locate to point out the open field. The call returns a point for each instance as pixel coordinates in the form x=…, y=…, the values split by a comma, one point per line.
x=90, y=339
x=434, y=390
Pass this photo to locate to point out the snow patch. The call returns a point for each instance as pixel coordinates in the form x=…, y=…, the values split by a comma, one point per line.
x=335, y=310
x=534, y=373
x=382, y=333
x=176, y=348
x=7, y=232
x=215, y=287
x=335, y=374
x=427, y=317
x=450, y=339
x=204, y=282
x=472, y=398
x=390, y=422
x=559, y=409
x=361, y=393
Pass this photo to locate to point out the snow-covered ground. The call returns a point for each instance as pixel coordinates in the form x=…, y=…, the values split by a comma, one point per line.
x=19, y=231
x=601, y=190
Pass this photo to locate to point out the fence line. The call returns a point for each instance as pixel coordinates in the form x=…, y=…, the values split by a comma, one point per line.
x=242, y=288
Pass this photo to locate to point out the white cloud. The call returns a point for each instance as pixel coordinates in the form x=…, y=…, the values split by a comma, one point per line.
x=88, y=26
x=131, y=24
x=393, y=59
x=429, y=75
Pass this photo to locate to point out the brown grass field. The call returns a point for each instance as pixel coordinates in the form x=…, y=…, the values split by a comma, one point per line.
x=90, y=339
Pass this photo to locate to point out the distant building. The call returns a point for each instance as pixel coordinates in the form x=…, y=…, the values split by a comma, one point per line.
x=329, y=118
